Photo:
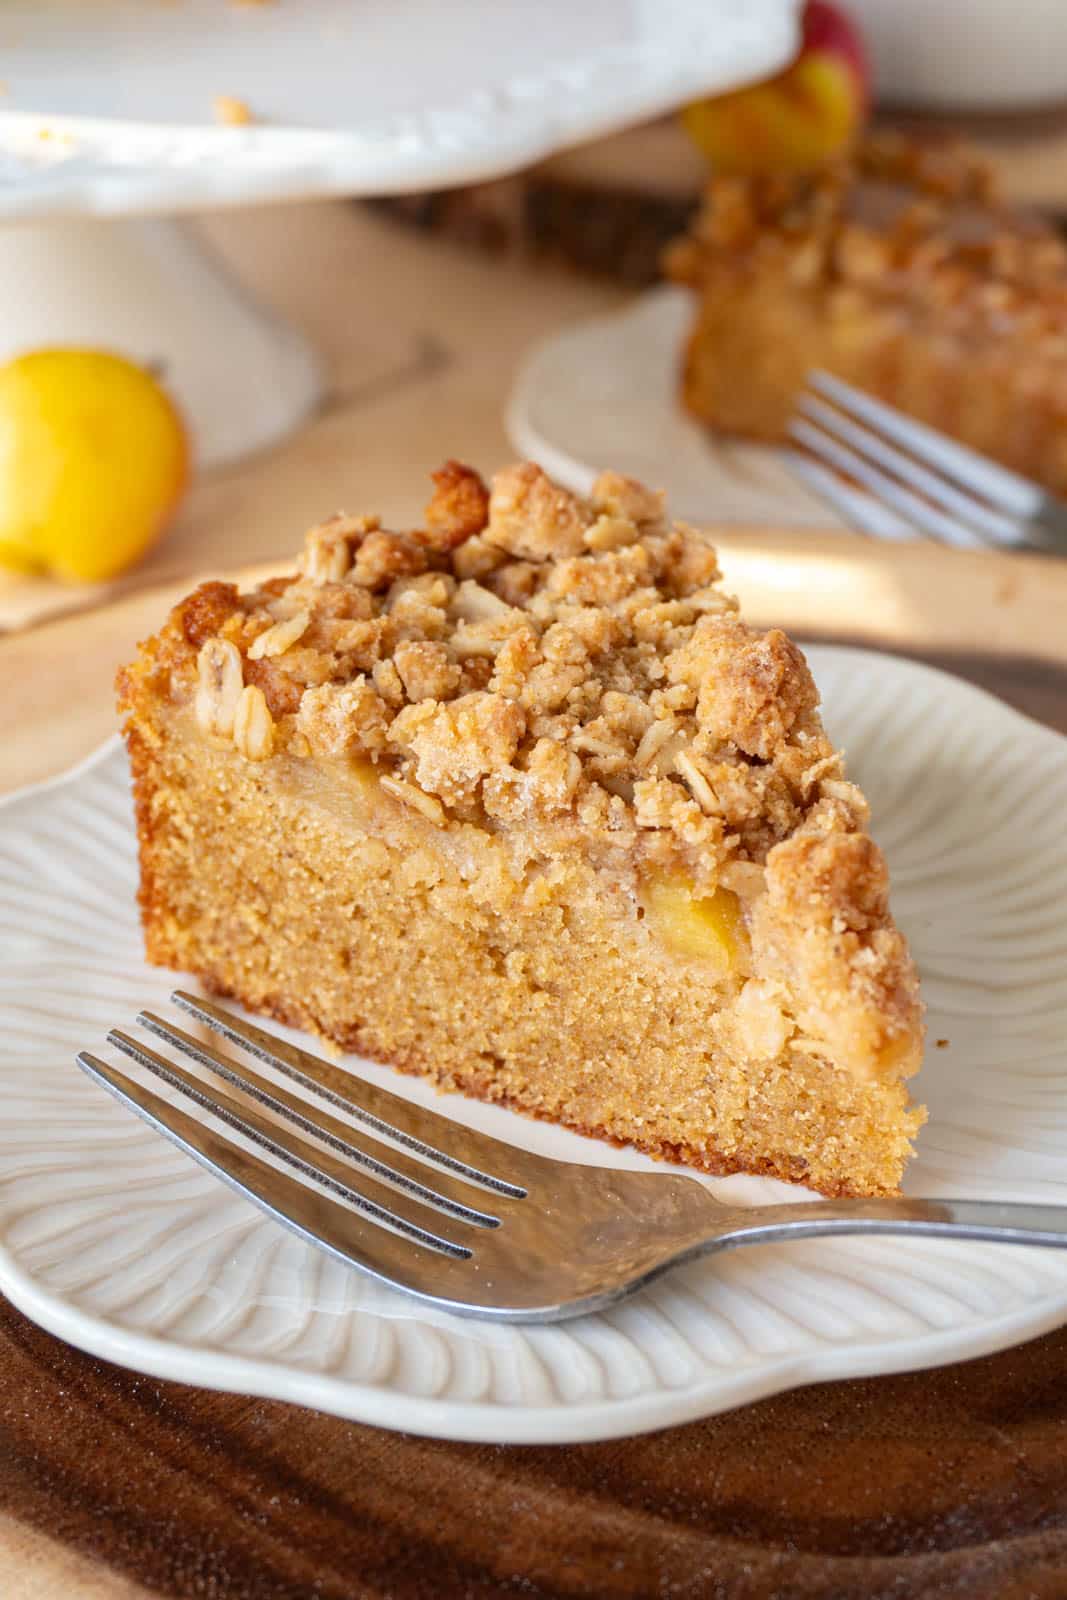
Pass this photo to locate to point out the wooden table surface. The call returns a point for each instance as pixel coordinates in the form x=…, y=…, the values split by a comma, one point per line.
x=114, y=1485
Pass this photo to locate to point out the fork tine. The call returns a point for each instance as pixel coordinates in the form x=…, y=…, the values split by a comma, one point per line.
x=859, y=509
x=444, y=1192
x=917, y=511
x=395, y=1209
x=350, y=1235
x=999, y=527
x=475, y=1156
x=1006, y=490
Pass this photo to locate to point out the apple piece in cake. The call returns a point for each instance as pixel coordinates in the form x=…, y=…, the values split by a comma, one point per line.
x=896, y=270
x=516, y=801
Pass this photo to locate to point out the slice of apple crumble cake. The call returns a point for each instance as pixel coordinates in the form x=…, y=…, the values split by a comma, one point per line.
x=518, y=802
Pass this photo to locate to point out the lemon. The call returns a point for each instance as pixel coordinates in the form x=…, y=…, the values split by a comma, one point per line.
x=93, y=460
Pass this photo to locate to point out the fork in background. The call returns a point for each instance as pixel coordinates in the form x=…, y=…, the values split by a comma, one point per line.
x=912, y=471
x=463, y=1220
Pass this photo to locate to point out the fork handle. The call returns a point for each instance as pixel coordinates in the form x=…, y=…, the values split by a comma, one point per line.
x=999, y=1221
x=1046, y=531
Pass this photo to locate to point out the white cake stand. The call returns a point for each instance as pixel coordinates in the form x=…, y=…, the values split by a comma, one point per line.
x=108, y=114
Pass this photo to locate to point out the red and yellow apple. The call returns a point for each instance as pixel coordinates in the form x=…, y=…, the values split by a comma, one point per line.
x=799, y=119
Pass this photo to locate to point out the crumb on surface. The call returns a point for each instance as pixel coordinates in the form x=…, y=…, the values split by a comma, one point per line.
x=231, y=111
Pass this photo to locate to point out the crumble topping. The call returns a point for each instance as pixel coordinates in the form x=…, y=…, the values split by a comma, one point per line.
x=898, y=220
x=529, y=655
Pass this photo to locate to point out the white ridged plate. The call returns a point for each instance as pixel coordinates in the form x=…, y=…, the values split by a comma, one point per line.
x=119, y=1243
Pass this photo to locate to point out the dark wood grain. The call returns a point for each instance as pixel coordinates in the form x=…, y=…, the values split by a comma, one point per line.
x=951, y=1483
x=928, y=1485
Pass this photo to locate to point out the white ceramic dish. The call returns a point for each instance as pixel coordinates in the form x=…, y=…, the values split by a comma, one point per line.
x=606, y=389
x=967, y=55
x=119, y=1243
x=349, y=96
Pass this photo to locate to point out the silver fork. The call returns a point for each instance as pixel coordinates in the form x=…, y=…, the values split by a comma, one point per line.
x=912, y=472
x=461, y=1219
